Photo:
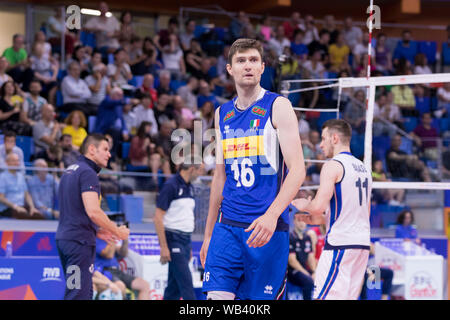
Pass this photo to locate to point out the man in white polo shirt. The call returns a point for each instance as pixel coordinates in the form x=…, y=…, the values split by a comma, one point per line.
x=174, y=223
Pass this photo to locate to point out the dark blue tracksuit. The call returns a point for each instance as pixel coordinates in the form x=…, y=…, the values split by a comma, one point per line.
x=76, y=233
x=179, y=282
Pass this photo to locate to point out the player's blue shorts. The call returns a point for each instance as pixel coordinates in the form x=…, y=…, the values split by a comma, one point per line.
x=250, y=273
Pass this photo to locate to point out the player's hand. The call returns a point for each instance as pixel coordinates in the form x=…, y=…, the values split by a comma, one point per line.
x=164, y=255
x=301, y=204
x=204, y=250
x=123, y=233
x=263, y=229
x=106, y=236
x=20, y=209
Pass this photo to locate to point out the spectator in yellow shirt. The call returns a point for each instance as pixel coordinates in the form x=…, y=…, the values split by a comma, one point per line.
x=404, y=98
x=75, y=127
x=339, y=52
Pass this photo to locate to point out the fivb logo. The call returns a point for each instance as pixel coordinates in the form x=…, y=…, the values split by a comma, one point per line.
x=73, y=20
x=375, y=17
x=51, y=274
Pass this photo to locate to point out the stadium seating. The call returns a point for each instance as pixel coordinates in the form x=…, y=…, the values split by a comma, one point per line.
x=27, y=146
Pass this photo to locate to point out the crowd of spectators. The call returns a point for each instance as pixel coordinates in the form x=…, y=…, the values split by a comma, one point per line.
x=138, y=90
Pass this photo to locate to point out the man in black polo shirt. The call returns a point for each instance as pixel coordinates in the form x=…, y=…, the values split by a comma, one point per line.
x=302, y=262
x=81, y=218
x=174, y=223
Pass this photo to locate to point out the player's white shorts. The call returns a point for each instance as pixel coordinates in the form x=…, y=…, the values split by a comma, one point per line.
x=340, y=273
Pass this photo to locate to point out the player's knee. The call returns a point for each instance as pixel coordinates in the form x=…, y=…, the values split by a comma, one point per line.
x=220, y=295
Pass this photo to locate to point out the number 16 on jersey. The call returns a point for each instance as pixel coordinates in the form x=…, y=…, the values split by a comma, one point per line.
x=243, y=173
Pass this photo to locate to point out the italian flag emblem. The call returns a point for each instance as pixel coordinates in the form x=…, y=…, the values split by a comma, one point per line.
x=254, y=123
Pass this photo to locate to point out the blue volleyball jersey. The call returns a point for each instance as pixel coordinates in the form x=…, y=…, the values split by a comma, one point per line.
x=254, y=165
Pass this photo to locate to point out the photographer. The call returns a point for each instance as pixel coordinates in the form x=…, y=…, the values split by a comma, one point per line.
x=106, y=261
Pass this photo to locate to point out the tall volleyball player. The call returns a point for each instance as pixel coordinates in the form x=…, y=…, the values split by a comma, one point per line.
x=345, y=188
x=259, y=170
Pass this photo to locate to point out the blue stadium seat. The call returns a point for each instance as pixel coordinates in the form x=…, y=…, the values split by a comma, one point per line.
x=445, y=56
x=434, y=103
x=436, y=124
x=27, y=146
x=268, y=78
x=406, y=145
x=61, y=75
x=59, y=99
x=410, y=123
x=113, y=202
x=380, y=145
x=429, y=48
x=444, y=124
x=199, y=30
x=110, y=58
x=357, y=145
x=125, y=149
x=133, y=207
x=175, y=84
x=136, y=81
x=91, y=123
x=423, y=104
x=324, y=116
x=88, y=39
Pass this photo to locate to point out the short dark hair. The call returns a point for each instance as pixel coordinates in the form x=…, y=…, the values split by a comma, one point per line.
x=64, y=136
x=93, y=138
x=9, y=134
x=244, y=44
x=341, y=126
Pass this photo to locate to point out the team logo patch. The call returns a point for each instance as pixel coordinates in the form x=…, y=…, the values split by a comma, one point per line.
x=229, y=115
x=259, y=111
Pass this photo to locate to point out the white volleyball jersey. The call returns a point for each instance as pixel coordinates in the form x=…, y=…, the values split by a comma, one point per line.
x=348, y=216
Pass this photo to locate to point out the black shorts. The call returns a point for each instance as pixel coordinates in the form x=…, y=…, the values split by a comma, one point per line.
x=120, y=275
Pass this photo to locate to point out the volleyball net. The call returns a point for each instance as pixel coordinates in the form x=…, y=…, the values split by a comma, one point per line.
x=416, y=180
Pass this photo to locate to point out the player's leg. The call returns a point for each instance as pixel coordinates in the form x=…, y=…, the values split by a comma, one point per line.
x=359, y=259
x=223, y=266
x=265, y=268
x=331, y=277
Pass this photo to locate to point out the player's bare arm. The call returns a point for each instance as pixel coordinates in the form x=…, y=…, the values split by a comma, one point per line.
x=332, y=172
x=215, y=198
x=285, y=121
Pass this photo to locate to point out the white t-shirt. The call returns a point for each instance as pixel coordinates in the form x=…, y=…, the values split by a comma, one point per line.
x=146, y=114
x=122, y=79
x=278, y=46
x=422, y=70
x=109, y=25
x=171, y=60
x=443, y=94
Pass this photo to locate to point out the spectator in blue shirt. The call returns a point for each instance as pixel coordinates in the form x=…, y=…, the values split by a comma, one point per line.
x=406, y=48
x=15, y=200
x=298, y=47
x=106, y=262
x=110, y=118
x=405, y=228
x=43, y=189
x=206, y=95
